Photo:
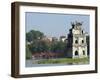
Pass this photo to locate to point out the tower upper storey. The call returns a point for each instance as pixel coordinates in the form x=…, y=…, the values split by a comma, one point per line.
x=76, y=28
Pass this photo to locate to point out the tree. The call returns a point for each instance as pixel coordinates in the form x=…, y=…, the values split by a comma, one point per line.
x=39, y=46
x=34, y=35
x=58, y=47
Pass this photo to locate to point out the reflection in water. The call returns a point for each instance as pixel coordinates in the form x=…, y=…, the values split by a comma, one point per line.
x=31, y=63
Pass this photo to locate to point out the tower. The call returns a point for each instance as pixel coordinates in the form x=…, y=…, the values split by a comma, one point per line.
x=77, y=46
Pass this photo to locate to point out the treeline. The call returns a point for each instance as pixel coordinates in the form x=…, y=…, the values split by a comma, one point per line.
x=37, y=45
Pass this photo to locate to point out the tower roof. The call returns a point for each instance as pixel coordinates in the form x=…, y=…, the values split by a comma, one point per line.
x=76, y=25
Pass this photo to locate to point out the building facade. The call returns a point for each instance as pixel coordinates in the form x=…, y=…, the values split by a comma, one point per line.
x=63, y=38
x=77, y=46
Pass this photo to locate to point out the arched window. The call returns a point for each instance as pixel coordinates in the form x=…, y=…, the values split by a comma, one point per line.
x=76, y=41
x=82, y=41
x=82, y=31
x=83, y=52
x=76, y=53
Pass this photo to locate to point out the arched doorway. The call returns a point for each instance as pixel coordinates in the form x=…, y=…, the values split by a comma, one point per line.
x=76, y=41
x=83, y=52
x=82, y=41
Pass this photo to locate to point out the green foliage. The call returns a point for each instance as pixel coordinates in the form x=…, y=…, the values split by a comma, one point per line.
x=58, y=47
x=38, y=45
x=33, y=35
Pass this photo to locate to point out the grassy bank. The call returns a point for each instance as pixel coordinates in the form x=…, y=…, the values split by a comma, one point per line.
x=63, y=60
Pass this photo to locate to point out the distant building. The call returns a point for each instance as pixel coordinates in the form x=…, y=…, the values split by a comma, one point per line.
x=54, y=39
x=77, y=45
x=47, y=39
x=62, y=38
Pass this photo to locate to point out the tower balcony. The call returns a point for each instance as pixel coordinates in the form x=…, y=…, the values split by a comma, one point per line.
x=79, y=45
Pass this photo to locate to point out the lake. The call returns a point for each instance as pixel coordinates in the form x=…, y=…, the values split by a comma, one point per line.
x=32, y=63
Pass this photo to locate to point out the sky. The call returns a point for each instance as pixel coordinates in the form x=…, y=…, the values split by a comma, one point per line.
x=54, y=24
